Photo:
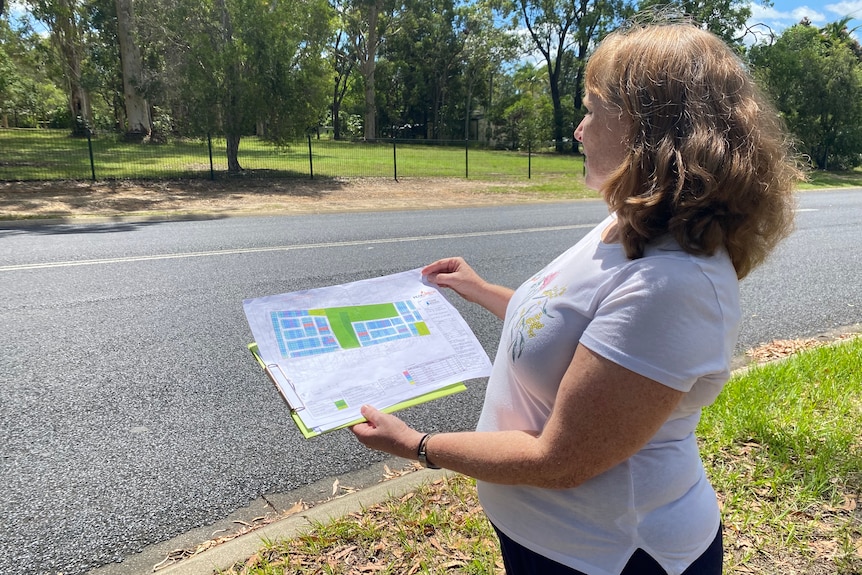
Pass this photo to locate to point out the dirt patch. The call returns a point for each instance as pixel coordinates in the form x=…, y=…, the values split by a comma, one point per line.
x=71, y=199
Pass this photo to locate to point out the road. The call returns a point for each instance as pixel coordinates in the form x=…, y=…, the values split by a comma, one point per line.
x=131, y=411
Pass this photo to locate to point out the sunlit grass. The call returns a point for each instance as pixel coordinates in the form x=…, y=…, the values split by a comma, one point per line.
x=53, y=155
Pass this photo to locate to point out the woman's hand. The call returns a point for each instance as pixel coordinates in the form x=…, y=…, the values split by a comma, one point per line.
x=457, y=275
x=385, y=432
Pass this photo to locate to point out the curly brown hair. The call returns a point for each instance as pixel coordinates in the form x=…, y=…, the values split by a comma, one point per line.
x=708, y=159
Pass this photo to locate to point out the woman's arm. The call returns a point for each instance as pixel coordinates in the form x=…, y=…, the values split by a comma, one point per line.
x=456, y=274
x=603, y=415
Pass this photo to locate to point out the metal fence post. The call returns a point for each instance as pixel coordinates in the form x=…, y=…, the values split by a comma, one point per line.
x=310, y=160
x=210, y=147
x=529, y=160
x=92, y=162
x=394, y=160
x=466, y=158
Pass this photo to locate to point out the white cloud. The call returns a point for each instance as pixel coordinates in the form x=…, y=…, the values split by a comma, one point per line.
x=846, y=8
x=784, y=18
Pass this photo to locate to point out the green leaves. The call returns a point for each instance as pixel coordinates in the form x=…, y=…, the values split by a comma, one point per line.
x=815, y=77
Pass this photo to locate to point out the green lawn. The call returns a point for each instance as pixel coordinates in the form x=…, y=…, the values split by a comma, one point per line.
x=53, y=155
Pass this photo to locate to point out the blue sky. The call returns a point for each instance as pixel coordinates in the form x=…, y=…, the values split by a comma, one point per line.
x=784, y=13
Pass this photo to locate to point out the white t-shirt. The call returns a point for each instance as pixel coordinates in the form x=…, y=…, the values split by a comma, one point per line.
x=670, y=316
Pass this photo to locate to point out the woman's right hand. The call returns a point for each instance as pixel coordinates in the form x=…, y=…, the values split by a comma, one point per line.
x=457, y=275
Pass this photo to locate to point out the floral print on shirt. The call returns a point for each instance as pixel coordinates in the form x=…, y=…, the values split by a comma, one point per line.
x=532, y=309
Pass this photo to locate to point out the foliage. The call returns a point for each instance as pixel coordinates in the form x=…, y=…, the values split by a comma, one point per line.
x=532, y=112
x=815, y=78
x=438, y=69
x=247, y=66
x=563, y=31
x=28, y=93
x=725, y=18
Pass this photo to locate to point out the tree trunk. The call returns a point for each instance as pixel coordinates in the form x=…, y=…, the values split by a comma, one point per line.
x=557, y=100
x=231, y=108
x=367, y=66
x=233, y=166
x=336, y=120
x=66, y=38
x=138, y=124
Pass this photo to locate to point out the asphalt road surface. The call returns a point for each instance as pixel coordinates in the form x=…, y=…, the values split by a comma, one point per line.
x=131, y=411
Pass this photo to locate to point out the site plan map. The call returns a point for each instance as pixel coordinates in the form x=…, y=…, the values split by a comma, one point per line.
x=390, y=342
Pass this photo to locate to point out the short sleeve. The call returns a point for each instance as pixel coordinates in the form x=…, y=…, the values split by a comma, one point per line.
x=668, y=319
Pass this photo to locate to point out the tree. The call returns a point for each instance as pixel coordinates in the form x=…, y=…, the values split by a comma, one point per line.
x=556, y=27
x=343, y=63
x=421, y=68
x=138, y=124
x=243, y=65
x=725, y=18
x=65, y=20
x=815, y=78
x=368, y=23
x=28, y=94
x=530, y=114
x=486, y=47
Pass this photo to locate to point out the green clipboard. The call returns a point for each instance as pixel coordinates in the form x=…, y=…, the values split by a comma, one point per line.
x=308, y=432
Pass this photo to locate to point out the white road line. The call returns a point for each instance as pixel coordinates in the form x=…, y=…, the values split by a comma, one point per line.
x=154, y=257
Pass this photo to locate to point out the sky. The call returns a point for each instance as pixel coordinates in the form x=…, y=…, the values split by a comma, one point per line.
x=784, y=13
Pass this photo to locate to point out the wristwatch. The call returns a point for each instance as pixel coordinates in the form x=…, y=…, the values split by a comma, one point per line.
x=422, y=454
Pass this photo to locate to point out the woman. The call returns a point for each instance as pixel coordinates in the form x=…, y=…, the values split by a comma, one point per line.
x=584, y=453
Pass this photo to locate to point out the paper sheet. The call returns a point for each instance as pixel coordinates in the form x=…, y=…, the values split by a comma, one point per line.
x=380, y=341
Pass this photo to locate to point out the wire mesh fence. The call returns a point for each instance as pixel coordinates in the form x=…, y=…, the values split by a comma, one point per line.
x=40, y=154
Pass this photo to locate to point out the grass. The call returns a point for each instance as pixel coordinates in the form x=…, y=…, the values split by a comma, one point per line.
x=53, y=155
x=819, y=179
x=781, y=446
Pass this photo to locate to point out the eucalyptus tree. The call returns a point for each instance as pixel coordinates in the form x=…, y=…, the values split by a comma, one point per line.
x=246, y=66
x=368, y=23
x=560, y=27
x=65, y=19
x=422, y=62
x=815, y=78
x=138, y=123
x=437, y=67
x=489, y=45
x=342, y=60
x=10, y=82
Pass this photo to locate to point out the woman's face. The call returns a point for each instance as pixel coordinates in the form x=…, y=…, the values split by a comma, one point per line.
x=602, y=133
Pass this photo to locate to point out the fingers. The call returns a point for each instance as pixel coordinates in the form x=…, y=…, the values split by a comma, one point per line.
x=449, y=273
x=444, y=266
x=370, y=413
x=386, y=432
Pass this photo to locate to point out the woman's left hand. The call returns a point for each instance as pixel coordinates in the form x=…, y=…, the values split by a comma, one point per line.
x=386, y=432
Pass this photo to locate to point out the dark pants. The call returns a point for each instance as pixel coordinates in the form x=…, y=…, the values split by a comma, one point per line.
x=521, y=561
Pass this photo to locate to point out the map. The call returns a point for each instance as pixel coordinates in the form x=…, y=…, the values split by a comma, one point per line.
x=391, y=342
x=309, y=332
